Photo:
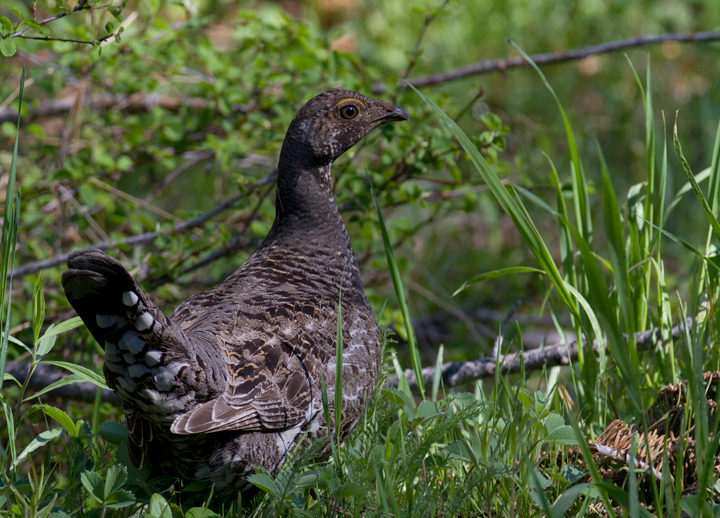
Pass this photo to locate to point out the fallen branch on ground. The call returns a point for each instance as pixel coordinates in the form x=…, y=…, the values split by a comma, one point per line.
x=457, y=373
x=453, y=373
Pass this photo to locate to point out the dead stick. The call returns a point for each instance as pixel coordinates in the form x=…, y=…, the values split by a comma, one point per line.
x=457, y=373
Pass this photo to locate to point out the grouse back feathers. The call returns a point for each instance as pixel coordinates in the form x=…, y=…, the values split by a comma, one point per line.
x=231, y=380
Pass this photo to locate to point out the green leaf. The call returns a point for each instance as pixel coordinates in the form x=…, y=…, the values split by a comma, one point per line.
x=61, y=417
x=63, y=327
x=437, y=375
x=38, y=308
x=9, y=377
x=33, y=24
x=7, y=48
x=402, y=299
x=21, y=344
x=67, y=380
x=159, y=507
x=115, y=478
x=562, y=435
x=10, y=425
x=113, y=432
x=41, y=440
x=691, y=178
x=45, y=346
x=120, y=499
x=94, y=484
x=427, y=409
x=553, y=421
x=567, y=499
x=6, y=26
x=571, y=473
x=350, y=489
x=495, y=274
x=461, y=450
x=85, y=373
x=537, y=483
x=264, y=482
x=400, y=397
x=200, y=512
x=7, y=249
x=622, y=497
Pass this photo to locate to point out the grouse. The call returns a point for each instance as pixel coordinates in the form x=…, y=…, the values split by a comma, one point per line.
x=231, y=380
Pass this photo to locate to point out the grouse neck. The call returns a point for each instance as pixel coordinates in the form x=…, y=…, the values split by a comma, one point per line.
x=304, y=197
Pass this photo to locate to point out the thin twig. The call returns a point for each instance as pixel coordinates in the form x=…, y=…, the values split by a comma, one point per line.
x=233, y=244
x=142, y=204
x=416, y=50
x=81, y=6
x=492, y=65
x=193, y=159
x=53, y=38
x=143, y=238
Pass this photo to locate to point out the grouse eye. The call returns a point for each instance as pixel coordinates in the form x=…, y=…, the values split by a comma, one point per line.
x=349, y=112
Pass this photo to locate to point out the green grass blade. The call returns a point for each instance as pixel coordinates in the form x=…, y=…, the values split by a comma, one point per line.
x=566, y=247
x=402, y=300
x=495, y=274
x=9, y=237
x=590, y=463
x=85, y=373
x=691, y=178
x=616, y=238
x=662, y=187
x=437, y=375
x=326, y=412
x=714, y=187
x=625, y=358
x=509, y=203
x=686, y=188
x=579, y=184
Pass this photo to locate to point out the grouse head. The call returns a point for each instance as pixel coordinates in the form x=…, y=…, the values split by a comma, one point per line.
x=333, y=122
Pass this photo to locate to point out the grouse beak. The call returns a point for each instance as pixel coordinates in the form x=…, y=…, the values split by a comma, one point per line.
x=395, y=113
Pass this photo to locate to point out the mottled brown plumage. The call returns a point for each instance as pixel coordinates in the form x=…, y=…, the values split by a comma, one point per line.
x=231, y=380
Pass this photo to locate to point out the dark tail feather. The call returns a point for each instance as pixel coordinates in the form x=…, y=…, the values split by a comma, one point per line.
x=145, y=353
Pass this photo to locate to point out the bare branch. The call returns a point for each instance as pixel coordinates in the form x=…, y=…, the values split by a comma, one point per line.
x=119, y=102
x=457, y=373
x=142, y=238
x=491, y=65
